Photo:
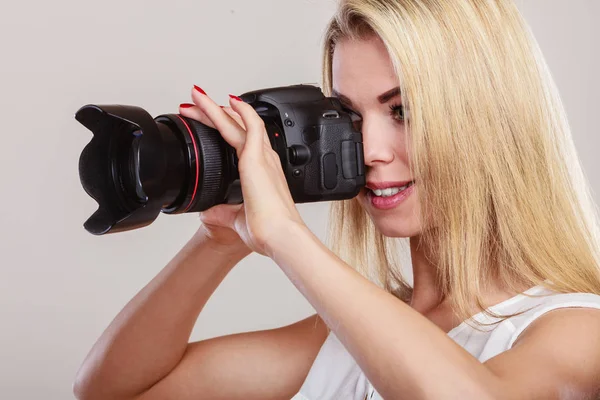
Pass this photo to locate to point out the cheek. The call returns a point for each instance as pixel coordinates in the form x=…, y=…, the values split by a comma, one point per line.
x=391, y=135
x=401, y=141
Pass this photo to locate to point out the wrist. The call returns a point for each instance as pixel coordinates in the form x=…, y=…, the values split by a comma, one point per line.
x=288, y=235
x=234, y=251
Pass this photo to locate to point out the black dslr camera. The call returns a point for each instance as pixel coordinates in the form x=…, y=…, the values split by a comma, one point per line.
x=136, y=166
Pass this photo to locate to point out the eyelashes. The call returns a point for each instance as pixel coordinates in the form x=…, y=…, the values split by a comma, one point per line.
x=396, y=111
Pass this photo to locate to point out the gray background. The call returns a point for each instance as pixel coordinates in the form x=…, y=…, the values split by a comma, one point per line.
x=60, y=286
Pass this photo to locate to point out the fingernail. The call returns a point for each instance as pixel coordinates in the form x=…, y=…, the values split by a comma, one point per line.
x=222, y=106
x=199, y=89
x=235, y=97
x=186, y=105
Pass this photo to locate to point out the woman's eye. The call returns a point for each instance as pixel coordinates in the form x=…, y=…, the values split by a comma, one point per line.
x=397, y=111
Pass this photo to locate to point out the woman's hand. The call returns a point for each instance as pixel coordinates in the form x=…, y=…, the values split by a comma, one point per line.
x=268, y=208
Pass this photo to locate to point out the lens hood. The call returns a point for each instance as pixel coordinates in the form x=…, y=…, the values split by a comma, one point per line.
x=120, y=206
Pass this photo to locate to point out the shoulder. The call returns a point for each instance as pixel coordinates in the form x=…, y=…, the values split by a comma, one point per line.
x=556, y=348
x=537, y=309
x=564, y=325
x=568, y=328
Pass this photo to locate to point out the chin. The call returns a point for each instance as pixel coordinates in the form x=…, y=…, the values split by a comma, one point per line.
x=397, y=228
x=401, y=222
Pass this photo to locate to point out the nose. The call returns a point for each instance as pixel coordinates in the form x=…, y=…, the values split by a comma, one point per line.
x=377, y=145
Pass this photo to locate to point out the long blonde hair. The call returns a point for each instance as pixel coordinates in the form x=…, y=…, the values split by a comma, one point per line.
x=491, y=149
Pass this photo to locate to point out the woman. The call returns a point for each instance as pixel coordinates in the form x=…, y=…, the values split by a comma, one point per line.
x=454, y=96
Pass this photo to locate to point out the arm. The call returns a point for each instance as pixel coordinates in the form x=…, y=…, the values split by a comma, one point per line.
x=147, y=342
x=263, y=365
x=404, y=355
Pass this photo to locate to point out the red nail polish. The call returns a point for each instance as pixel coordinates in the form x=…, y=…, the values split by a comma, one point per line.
x=186, y=105
x=199, y=89
x=235, y=97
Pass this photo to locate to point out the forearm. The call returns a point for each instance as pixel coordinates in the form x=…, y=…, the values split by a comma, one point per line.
x=402, y=353
x=148, y=338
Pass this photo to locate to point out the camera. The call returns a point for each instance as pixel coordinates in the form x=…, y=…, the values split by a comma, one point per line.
x=136, y=166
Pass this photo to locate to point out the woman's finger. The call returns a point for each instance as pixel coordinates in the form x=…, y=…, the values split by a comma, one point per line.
x=192, y=111
x=240, y=121
x=256, y=133
x=229, y=129
x=235, y=116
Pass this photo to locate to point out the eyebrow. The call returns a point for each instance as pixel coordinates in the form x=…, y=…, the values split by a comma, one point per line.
x=383, y=98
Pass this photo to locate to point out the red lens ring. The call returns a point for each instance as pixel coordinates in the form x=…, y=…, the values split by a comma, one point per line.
x=197, y=164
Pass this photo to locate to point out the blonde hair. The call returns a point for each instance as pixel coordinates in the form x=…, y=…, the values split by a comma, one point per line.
x=500, y=183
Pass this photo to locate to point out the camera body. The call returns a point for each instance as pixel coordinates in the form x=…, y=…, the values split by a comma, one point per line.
x=136, y=167
x=321, y=153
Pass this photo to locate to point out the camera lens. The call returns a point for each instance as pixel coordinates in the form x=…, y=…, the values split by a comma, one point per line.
x=136, y=167
x=207, y=164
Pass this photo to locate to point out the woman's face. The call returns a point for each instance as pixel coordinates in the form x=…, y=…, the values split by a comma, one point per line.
x=366, y=84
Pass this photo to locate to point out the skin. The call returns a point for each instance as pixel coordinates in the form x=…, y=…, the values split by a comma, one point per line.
x=145, y=355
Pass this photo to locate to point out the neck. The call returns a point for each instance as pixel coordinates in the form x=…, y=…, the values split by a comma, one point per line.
x=427, y=293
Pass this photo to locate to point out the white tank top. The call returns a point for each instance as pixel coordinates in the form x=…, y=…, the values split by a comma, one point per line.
x=335, y=375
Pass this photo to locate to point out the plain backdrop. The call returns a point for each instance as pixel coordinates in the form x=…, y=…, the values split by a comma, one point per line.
x=60, y=286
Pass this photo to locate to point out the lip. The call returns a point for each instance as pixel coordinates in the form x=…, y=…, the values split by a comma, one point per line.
x=388, y=203
x=384, y=185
